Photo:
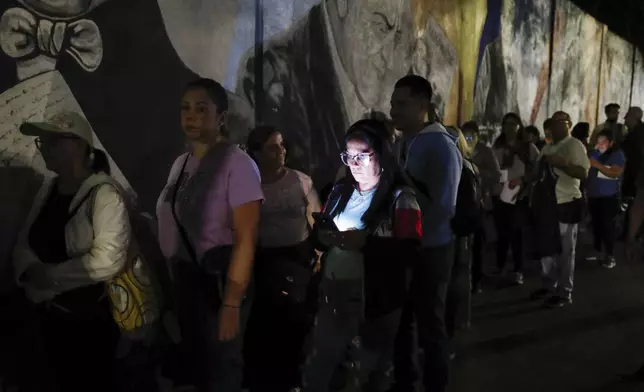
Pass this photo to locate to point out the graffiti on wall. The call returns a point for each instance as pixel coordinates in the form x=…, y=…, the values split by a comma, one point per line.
x=324, y=64
x=615, y=73
x=338, y=63
x=112, y=61
x=508, y=80
x=575, y=63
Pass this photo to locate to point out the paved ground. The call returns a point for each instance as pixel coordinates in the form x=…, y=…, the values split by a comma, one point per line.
x=516, y=345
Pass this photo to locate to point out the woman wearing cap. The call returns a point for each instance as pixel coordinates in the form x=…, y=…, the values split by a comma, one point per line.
x=208, y=216
x=363, y=284
x=77, y=235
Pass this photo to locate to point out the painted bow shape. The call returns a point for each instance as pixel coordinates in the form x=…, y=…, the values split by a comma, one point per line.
x=24, y=35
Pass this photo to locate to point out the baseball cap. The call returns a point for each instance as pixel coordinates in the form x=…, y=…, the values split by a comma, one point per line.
x=64, y=122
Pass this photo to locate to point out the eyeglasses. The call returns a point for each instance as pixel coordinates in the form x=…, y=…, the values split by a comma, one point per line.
x=43, y=141
x=361, y=159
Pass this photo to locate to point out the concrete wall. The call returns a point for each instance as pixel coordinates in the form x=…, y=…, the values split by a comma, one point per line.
x=310, y=67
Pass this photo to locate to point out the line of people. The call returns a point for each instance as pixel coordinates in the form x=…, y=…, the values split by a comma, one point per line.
x=274, y=289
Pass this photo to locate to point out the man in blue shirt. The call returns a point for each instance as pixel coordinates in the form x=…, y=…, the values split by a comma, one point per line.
x=606, y=167
x=429, y=155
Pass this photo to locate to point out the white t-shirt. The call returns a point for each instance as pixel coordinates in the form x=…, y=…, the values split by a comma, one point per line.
x=351, y=217
x=344, y=262
x=283, y=220
x=574, y=152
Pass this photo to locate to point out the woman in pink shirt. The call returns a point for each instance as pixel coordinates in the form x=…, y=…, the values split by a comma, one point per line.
x=208, y=215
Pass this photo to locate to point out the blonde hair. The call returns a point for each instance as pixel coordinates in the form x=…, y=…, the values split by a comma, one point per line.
x=461, y=142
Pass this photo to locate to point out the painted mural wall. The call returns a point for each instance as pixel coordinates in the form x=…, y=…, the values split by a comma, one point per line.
x=311, y=67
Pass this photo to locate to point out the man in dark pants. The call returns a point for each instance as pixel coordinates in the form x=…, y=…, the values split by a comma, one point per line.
x=633, y=239
x=430, y=157
x=633, y=148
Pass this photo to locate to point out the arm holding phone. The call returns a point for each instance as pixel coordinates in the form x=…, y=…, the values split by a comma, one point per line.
x=329, y=235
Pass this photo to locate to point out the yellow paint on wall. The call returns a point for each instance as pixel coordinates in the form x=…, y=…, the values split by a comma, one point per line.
x=462, y=21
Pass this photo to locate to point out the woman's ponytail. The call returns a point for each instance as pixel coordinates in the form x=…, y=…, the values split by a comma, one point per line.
x=100, y=162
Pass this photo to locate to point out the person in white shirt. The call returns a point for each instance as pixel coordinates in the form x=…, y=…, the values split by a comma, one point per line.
x=569, y=159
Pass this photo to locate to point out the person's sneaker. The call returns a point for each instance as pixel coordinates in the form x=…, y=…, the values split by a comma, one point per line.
x=592, y=258
x=517, y=278
x=558, y=301
x=539, y=294
x=609, y=262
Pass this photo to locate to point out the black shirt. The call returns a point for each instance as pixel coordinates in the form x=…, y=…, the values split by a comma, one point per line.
x=633, y=148
x=47, y=240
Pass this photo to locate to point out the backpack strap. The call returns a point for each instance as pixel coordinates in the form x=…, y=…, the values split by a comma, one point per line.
x=91, y=194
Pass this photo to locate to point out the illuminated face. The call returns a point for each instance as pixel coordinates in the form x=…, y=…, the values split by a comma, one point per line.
x=362, y=162
x=61, y=8
x=471, y=138
x=373, y=39
x=603, y=144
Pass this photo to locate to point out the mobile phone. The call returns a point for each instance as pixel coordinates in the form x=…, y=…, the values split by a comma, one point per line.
x=324, y=221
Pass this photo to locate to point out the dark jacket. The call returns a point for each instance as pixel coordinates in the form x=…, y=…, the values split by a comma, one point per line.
x=389, y=250
x=633, y=148
x=543, y=209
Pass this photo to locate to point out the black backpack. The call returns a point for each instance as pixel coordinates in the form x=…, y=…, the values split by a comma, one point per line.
x=469, y=201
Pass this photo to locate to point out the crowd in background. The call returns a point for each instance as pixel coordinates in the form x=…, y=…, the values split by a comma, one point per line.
x=262, y=283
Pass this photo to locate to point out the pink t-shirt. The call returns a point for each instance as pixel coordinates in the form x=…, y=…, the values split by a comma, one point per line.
x=237, y=182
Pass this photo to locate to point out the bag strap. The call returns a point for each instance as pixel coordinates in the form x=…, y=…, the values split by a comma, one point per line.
x=182, y=231
x=90, y=194
x=220, y=152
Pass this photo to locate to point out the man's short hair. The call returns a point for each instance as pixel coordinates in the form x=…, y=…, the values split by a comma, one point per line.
x=471, y=126
x=565, y=115
x=608, y=134
x=531, y=129
x=611, y=106
x=417, y=85
x=547, y=124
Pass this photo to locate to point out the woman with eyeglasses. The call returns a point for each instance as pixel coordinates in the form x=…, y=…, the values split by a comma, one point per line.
x=363, y=288
x=77, y=237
